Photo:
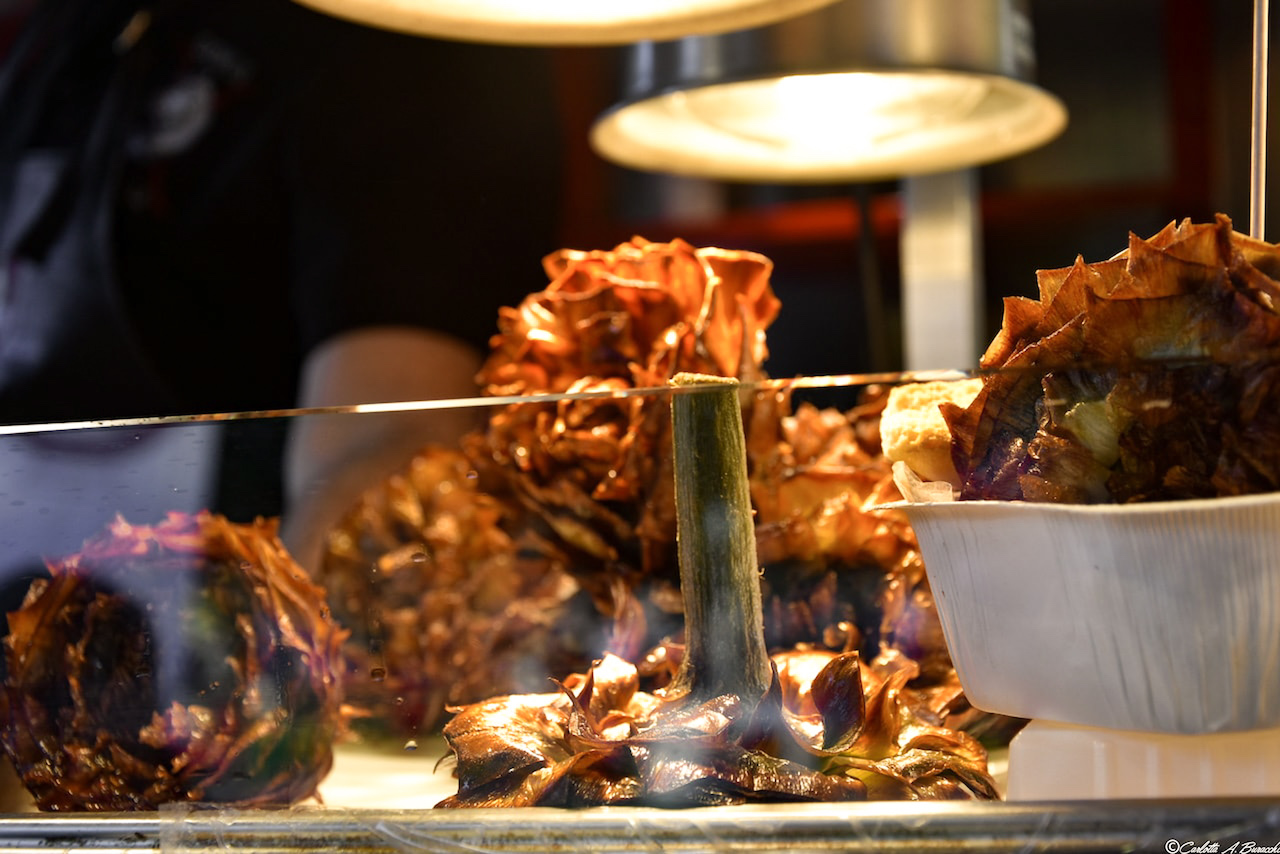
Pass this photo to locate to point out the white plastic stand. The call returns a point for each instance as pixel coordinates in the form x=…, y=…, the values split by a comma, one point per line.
x=1052, y=762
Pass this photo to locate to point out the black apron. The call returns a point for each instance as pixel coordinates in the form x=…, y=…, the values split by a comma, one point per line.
x=67, y=348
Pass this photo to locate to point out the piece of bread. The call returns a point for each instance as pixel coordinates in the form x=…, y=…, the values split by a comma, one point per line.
x=912, y=430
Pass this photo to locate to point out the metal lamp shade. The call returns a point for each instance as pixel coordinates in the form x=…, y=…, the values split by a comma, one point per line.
x=859, y=90
x=563, y=22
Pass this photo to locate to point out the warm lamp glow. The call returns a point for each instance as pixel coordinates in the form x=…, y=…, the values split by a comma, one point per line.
x=566, y=22
x=874, y=109
x=858, y=90
x=831, y=127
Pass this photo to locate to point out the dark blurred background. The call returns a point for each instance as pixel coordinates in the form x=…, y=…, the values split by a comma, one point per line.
x=1159, y=98
x=1158, y=93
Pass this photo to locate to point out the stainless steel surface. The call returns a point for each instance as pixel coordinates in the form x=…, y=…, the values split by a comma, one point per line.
x=1258, y=138
x=1078, y=827
x=982, y=36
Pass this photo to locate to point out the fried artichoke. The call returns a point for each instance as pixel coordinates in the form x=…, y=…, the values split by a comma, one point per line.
x=447, y=598
x=577, y=494
x=1151, y=376
x=582, y=491
x=733, y=726
x=192, y=660
x=841, y=571
x=831, y=728
x=598, y=472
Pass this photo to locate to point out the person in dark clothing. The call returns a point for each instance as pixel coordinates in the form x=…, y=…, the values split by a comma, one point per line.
x=239, y=205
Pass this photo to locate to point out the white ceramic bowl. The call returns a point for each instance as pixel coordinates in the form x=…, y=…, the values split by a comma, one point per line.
x=1161, y=617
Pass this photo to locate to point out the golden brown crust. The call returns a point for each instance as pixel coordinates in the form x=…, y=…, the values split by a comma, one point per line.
x=913, y=431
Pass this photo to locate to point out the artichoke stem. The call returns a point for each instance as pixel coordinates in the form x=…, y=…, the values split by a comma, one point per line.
x=725, y=649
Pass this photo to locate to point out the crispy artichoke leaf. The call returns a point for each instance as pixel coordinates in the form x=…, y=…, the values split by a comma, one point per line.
x=1178, y=330
x=842, y=729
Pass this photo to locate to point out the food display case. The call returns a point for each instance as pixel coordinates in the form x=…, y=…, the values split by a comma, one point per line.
x=383, y=785
x=655, y=597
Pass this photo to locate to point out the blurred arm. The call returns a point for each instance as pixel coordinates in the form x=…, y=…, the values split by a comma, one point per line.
x=331, y=459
